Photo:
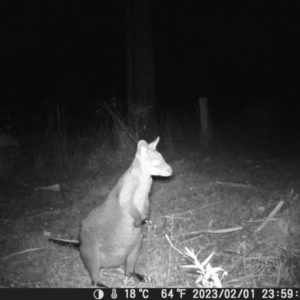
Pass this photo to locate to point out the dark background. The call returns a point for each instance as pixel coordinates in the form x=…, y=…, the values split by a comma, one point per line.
x=73, y=54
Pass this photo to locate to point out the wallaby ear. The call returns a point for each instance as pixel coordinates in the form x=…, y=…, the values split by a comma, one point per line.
x=142, y=147
x=154, y=143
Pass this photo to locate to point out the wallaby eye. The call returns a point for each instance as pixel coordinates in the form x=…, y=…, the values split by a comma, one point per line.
x=155, y=162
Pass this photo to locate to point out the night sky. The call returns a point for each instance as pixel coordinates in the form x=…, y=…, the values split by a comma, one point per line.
x=228, y=51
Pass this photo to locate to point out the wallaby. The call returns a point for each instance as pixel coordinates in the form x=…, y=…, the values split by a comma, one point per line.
x=111, y=233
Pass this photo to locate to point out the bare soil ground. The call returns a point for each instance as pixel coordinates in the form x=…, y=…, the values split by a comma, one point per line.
x=212, y=203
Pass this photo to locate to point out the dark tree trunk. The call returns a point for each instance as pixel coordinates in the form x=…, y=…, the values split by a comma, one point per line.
x=140, y=64
x=130, y=90
x=206, y=134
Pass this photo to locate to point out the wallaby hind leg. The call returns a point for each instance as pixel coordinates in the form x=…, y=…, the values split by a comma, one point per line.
x=130, y=263
x=89, y=252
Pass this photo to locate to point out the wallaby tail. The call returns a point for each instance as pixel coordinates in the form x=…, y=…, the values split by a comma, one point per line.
x=65, y=242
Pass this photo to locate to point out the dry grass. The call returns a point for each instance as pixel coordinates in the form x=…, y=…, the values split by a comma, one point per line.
x=205, y=196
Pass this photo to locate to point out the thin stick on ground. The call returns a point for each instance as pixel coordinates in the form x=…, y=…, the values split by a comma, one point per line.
x=271, y=215
x=22, y=252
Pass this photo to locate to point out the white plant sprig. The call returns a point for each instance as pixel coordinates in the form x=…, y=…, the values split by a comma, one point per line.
x=208, y=277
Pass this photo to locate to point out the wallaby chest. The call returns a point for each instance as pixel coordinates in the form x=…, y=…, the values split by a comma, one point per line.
x=134, y=197
x=141, y=194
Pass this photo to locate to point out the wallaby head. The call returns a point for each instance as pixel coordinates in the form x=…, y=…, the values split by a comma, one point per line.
x=151, y=161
